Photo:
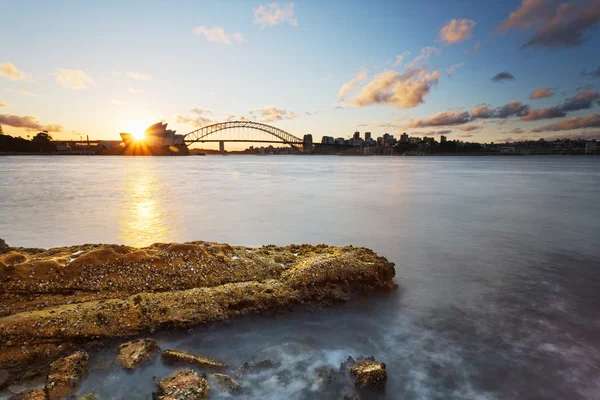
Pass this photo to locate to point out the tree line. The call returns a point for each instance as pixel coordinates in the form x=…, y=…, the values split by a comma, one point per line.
x=40, y=143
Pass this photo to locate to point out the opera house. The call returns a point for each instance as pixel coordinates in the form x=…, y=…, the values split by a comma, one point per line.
x=157, y=140
x=156, y=135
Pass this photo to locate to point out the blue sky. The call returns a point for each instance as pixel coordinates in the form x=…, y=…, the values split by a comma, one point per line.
x=100, y=68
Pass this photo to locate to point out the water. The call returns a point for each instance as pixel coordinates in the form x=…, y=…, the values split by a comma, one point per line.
x=497, y=261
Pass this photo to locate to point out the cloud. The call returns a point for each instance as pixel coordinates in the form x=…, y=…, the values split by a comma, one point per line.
x=517, y=130
x=72, y=79
x=28, y=122
x=117, y=102
x=475, y=49
x=457, y=30
x=271, y=114
x=543, y=113
x=453, y=68
x=503, y=76
x=25, y=93
x=4, y=105
x=138, y=76
x=595, y=73
x=444, y=118
x=554, y=24
x=132, y=90
x=514, y=108
x=482, y=111
x=591, y=121
x=585, y=135
x=8, y=70
x=425, y=53
x=405, y=90
x=400, y=58
x=581, y=101
x=216, y=34
x=354, y=82
x=275, y=13
x=541, y=93
x=470, y=128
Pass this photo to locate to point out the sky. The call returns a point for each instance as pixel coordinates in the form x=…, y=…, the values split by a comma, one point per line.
x=472, y=70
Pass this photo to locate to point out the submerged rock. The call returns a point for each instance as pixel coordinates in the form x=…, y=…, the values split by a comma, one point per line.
x=65, y=375
x=177, y=356
x=226, y=383
x=31, y=394
x=255, y=367
x=134, y=354
x=369, y=374
x=182, y=385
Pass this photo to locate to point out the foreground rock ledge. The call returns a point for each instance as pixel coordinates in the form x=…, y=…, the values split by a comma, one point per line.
x=56, y=299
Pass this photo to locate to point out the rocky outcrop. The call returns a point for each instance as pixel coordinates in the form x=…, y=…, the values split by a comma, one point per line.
x=369, y=374
x=57, y=299
x=182, y=385
x=65, y=375
x=226, y=384
x=32, y=394
x=89, y=396
x=134, y=354
x=3, y=246
x=181, y=357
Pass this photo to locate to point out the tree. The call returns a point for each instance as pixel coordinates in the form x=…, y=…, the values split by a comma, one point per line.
x=43, y=142
x=1, y=131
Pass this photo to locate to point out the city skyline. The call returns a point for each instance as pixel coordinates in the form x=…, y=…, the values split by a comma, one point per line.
x=469, y=71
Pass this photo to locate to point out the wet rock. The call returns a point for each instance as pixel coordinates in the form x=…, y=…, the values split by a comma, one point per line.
x=134, y=354
x=369, y=374
x=65, y=375
x=32, y=394
x=89, y=396
x=16, y=389
x=182, y=385
x=325, y=376
x=177, y=356
x=255, y=367
x=226, y=383
x=3, y=246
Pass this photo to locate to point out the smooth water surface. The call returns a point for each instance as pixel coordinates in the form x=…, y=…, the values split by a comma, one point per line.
x=497, y=258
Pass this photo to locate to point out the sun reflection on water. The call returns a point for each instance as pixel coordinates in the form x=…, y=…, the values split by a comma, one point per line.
x=144, y=217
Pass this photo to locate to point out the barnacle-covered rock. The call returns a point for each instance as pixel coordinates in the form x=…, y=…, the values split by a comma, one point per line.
x=66, y=374
x=134, y=354
x=177, y=356
x=182, y=385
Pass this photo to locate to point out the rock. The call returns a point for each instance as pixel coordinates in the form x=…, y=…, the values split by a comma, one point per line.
x=255, y=367
x=134, y=354
x=3, y=246
x=176, y=356
x=31, y=394
x=369, y=374
x=226, y=383
x=65, y=375
x=16, y=389
x=182, y=385
x=89, y=396
x=324, y=376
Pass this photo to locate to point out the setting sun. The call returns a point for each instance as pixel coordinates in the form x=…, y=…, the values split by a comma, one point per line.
x=138, y=135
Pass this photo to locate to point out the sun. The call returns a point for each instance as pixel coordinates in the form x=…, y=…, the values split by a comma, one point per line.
x=139, y=135
x=137, y=129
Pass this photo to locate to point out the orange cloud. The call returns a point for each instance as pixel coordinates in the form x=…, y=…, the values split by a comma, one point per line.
x=457, y=30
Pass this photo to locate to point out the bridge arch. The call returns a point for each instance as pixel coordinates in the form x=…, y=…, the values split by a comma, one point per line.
x=203, y=134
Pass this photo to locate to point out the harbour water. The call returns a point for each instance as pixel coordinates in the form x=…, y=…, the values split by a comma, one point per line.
x=497, y=261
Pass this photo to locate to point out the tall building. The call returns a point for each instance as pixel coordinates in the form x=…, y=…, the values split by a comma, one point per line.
x=356, y=135
x=404, y=138
x=367, y=136
x=443, y=139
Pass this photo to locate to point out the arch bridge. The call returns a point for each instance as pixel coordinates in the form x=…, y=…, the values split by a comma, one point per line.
x=245, y=131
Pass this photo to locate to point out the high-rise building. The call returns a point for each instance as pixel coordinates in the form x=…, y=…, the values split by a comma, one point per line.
x=404, y=138
x=443, y=139
x=367, y=136
x=356, y=135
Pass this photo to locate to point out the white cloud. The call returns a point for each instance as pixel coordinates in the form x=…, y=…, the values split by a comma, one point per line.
x=4, y=105
x=138, y=76
x=426, y=52
x=271, y=114
x=72, y=79
x=11, y=72
x=453, y=68
x=275, y=13
x=457, y=30
x=117, y=102
x=405, y=90
x=400, y=58
x=133, y=90
x=216, y=34
x=354, y=82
